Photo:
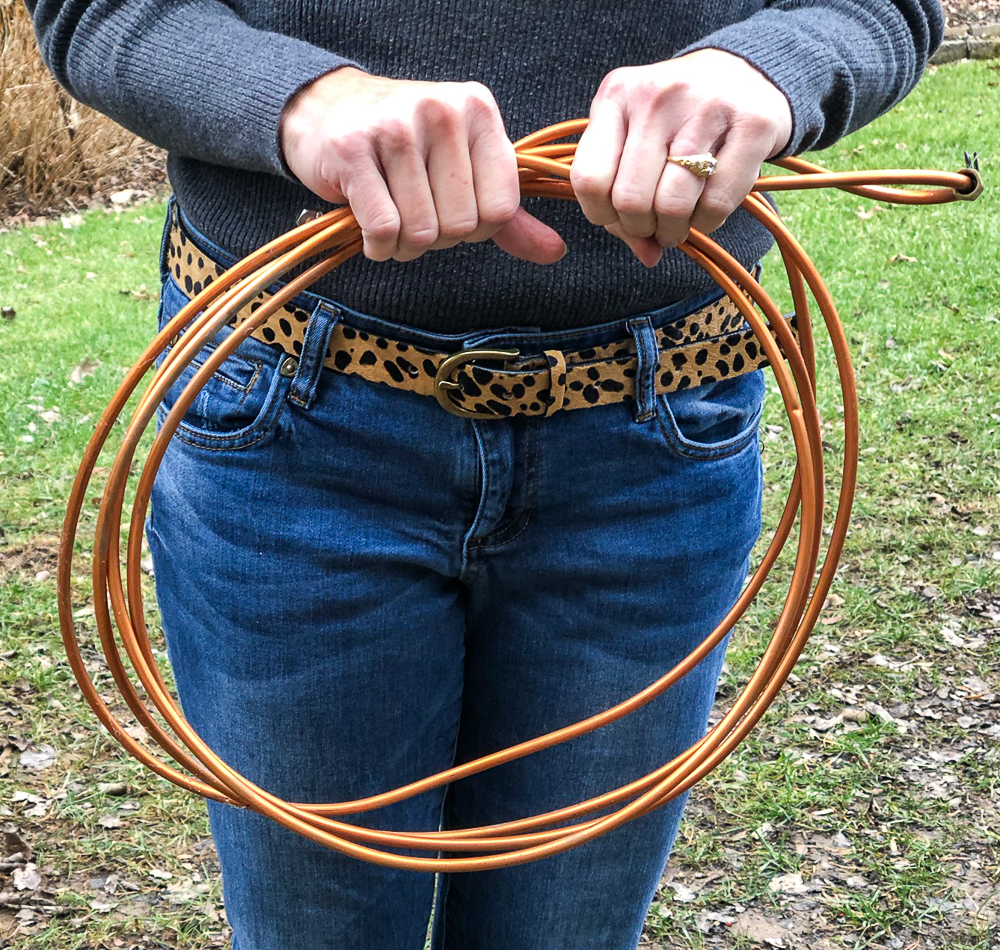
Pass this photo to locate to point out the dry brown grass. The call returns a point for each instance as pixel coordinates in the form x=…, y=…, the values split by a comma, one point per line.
x=54, y=152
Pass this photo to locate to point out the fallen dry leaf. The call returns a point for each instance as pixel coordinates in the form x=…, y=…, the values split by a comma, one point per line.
x=26, y=878
x=754, y=926
x=42, y=758
x=788, y=884
x=113, y=788
x=82, y=370
x=141, y=294
x=138, y=733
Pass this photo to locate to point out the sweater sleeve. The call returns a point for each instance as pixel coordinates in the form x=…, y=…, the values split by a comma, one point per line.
x=840, y=63
x=189, y=76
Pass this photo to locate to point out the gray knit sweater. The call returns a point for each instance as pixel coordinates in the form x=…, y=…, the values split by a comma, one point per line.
x=207, y=80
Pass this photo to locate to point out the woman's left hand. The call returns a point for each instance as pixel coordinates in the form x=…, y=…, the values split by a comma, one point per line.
x=707, y=101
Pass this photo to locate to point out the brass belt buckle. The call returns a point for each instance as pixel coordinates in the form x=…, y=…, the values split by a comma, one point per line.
x=442, y=384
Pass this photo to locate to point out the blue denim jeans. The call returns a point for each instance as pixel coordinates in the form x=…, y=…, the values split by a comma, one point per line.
x=359, y=589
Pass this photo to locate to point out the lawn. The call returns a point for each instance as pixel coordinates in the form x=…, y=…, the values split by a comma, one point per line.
x=863, y=813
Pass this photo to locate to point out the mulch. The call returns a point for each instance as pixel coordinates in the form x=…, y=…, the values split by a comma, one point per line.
x=971, y=12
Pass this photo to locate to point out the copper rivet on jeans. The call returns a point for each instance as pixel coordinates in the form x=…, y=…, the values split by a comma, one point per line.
x=288, y=366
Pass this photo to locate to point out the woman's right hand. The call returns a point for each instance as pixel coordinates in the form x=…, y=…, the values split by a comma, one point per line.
x=423, y=165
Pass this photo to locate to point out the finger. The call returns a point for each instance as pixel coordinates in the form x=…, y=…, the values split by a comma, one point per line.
x=646, y=249
x=326, y=190
x=494, y=176
x=639, y=172
x=677, y=194
x=375, y=211
x=403, y=165
x=679, y=189
x=526, y=237
x=739, y=161
x=595, y=164
x=449, y=172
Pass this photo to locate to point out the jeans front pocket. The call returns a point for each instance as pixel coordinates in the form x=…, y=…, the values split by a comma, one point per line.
x=713, y=420
x=241, y=402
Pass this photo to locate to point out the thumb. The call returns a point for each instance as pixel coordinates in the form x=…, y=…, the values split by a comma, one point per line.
x=527, y=238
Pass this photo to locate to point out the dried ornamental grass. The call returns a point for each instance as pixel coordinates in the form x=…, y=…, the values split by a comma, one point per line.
x=52, y=148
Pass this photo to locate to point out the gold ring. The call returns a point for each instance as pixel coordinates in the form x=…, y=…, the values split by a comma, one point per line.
x=701, y=166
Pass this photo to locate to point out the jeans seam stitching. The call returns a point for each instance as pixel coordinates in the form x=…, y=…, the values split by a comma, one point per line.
x=531, y=495
x=220, y=446
x=673, y=438
x=469, y=542
x=484, y=544
x=224, y=442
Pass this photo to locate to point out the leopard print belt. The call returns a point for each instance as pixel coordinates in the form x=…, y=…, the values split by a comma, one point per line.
x=709, y=344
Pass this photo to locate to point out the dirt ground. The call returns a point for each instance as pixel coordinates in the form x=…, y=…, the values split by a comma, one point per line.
x=971, y=12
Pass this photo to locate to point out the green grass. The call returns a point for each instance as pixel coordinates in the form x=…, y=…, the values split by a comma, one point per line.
x=875, y=775
x=924, y=337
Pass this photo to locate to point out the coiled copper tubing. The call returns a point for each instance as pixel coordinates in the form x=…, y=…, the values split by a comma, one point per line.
x=544, y=163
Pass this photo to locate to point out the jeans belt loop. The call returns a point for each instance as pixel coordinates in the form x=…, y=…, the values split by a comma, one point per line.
x=173, y=226
x=310, y=362
x=557, y=380
x=647, y=363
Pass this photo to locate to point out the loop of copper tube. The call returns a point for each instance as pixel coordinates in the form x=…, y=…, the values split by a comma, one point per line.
x=544, y=164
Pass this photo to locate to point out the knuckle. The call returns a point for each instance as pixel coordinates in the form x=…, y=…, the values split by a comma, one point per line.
x=672, y=236
x=707, y=103
x=658, y=94
x=478, y=102
x=506, y=154
x=481, y=233
x=351, y=146
x=715, y=207
x=499, y=210
x=493, y=159
x=631, y=206
x=588, y=183
x=756, y=123
x=617, y=83
x=495, y=217
x=457, y=229
x=396, y=134
x=329, y=169
x=439, y=115
x=717, y=105
x=383, y=228
x=672, y=209
x=419, y=236
x=628, y=201
x=478, y=92
x=600, y=216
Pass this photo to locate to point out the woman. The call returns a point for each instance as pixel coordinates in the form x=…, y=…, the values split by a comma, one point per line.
x=360, y=584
